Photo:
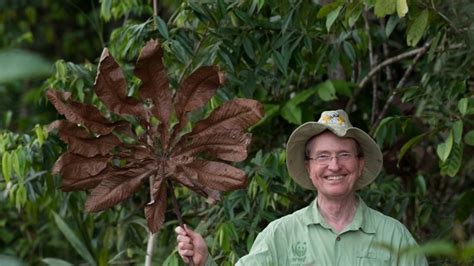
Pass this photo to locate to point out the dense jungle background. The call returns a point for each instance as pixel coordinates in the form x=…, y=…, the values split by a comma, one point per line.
x=401, y=68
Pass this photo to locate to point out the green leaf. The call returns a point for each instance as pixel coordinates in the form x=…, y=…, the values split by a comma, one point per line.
x=437, y=247
x=6, y=166
x=402, y=8
x=80, y=248
x=171, y=260
x=417, y=28
x=332, y=16
x=349, y=50
x=326, y=9
x=326, y=91
x=290, y=111
x=421, y=183
x=162, y=28
x=452, y=165
x=40, y=134
x=457, y=131
x=18, y=64
x=105, y=9
x=56, y=262
x=391, y=24
x=409, y=144
x=384, y=7
x=444, y=149
x=462, y=105
x=469, y=138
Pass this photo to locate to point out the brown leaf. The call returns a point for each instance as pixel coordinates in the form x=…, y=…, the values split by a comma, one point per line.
x=227, y=145
x=83, y=143
x=79, y=113
x=150, y=70
x=74, y=166
x=216, y=175
x=116, y=188
x=155, y=213
x=111, y=88
x=182, y=176
x=196, y=91
x=236, y=114
x=72, y=183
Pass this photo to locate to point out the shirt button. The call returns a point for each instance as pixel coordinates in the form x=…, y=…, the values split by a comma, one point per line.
x=338, y=238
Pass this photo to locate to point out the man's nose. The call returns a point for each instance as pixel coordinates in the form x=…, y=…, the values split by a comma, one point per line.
x=333, y=163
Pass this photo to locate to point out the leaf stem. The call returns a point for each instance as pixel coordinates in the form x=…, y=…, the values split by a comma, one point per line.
x=177, y=212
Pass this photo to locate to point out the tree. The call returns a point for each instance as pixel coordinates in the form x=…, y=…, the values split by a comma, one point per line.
x=401, y=68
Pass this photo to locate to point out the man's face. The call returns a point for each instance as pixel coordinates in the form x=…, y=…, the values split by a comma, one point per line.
x=334, y=165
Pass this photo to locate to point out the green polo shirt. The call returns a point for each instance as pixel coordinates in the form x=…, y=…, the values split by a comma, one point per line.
x=304, y=238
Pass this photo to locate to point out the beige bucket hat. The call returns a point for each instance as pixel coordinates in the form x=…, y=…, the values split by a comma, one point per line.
x=338, y=123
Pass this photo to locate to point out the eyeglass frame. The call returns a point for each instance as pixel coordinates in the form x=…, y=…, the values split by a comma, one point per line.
x=359, y=151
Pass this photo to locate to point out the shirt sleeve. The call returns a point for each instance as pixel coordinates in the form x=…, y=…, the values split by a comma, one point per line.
x=410, y=258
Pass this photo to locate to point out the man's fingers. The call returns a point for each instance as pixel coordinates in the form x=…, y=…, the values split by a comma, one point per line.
x=184, y=246
x=183, y=239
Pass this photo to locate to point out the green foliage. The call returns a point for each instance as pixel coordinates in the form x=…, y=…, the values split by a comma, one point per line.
x=298, y=58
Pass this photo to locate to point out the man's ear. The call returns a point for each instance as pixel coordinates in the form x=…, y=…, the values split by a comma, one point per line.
x=361, y=165
x=306, y=165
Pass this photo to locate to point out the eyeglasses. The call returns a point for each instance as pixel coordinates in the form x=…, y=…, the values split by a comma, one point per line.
x=325, y=158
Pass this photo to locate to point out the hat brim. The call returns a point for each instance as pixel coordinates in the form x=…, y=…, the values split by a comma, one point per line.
x=295, y=153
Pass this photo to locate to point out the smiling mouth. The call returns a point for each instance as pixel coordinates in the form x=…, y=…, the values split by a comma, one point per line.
x=334, y=177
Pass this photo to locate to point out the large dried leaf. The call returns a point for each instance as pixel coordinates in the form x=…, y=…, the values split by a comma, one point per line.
x=196, y=91
x=111, y=88
x=189, y=178
x=236, y=114
x=216, y=175
x=79, y=113
x=226, y=145
x=72, y=183
x=155, y=212
x=116, y=188
x=155, y=85
x=71, y=165
x=83, y=143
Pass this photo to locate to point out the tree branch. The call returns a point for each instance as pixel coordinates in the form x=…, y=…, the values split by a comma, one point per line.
x=400, y=84
x=380, y=66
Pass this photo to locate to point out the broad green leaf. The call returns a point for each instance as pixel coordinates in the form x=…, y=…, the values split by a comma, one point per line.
x=105, y=9
x=326, y=91
x=391, y=24
x=421, y=182
x=80, y=247
x=292, y=113
x=326, y=9
x=402, y=8
x=331, y=18
x=444, y=149
x=162, y=28
x=462, y=105
x=171, y=260
x=469, y=138
x=40, y=134
x=6, y=166
x=385, y=7
x=457, y=131
x=437, y=247
x=16, y=161
x=417, y=28
x=413, y=141
x=468, y=251
x=56, y=262
x=452, y=165
x=18, y=64
x=349, y=50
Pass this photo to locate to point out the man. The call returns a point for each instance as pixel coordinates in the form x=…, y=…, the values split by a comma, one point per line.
x=337, y=228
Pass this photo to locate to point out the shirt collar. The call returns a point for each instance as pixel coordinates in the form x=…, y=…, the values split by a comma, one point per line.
x=361, y=219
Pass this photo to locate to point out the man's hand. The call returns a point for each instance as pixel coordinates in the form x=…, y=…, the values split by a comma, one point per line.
x=191, y=245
